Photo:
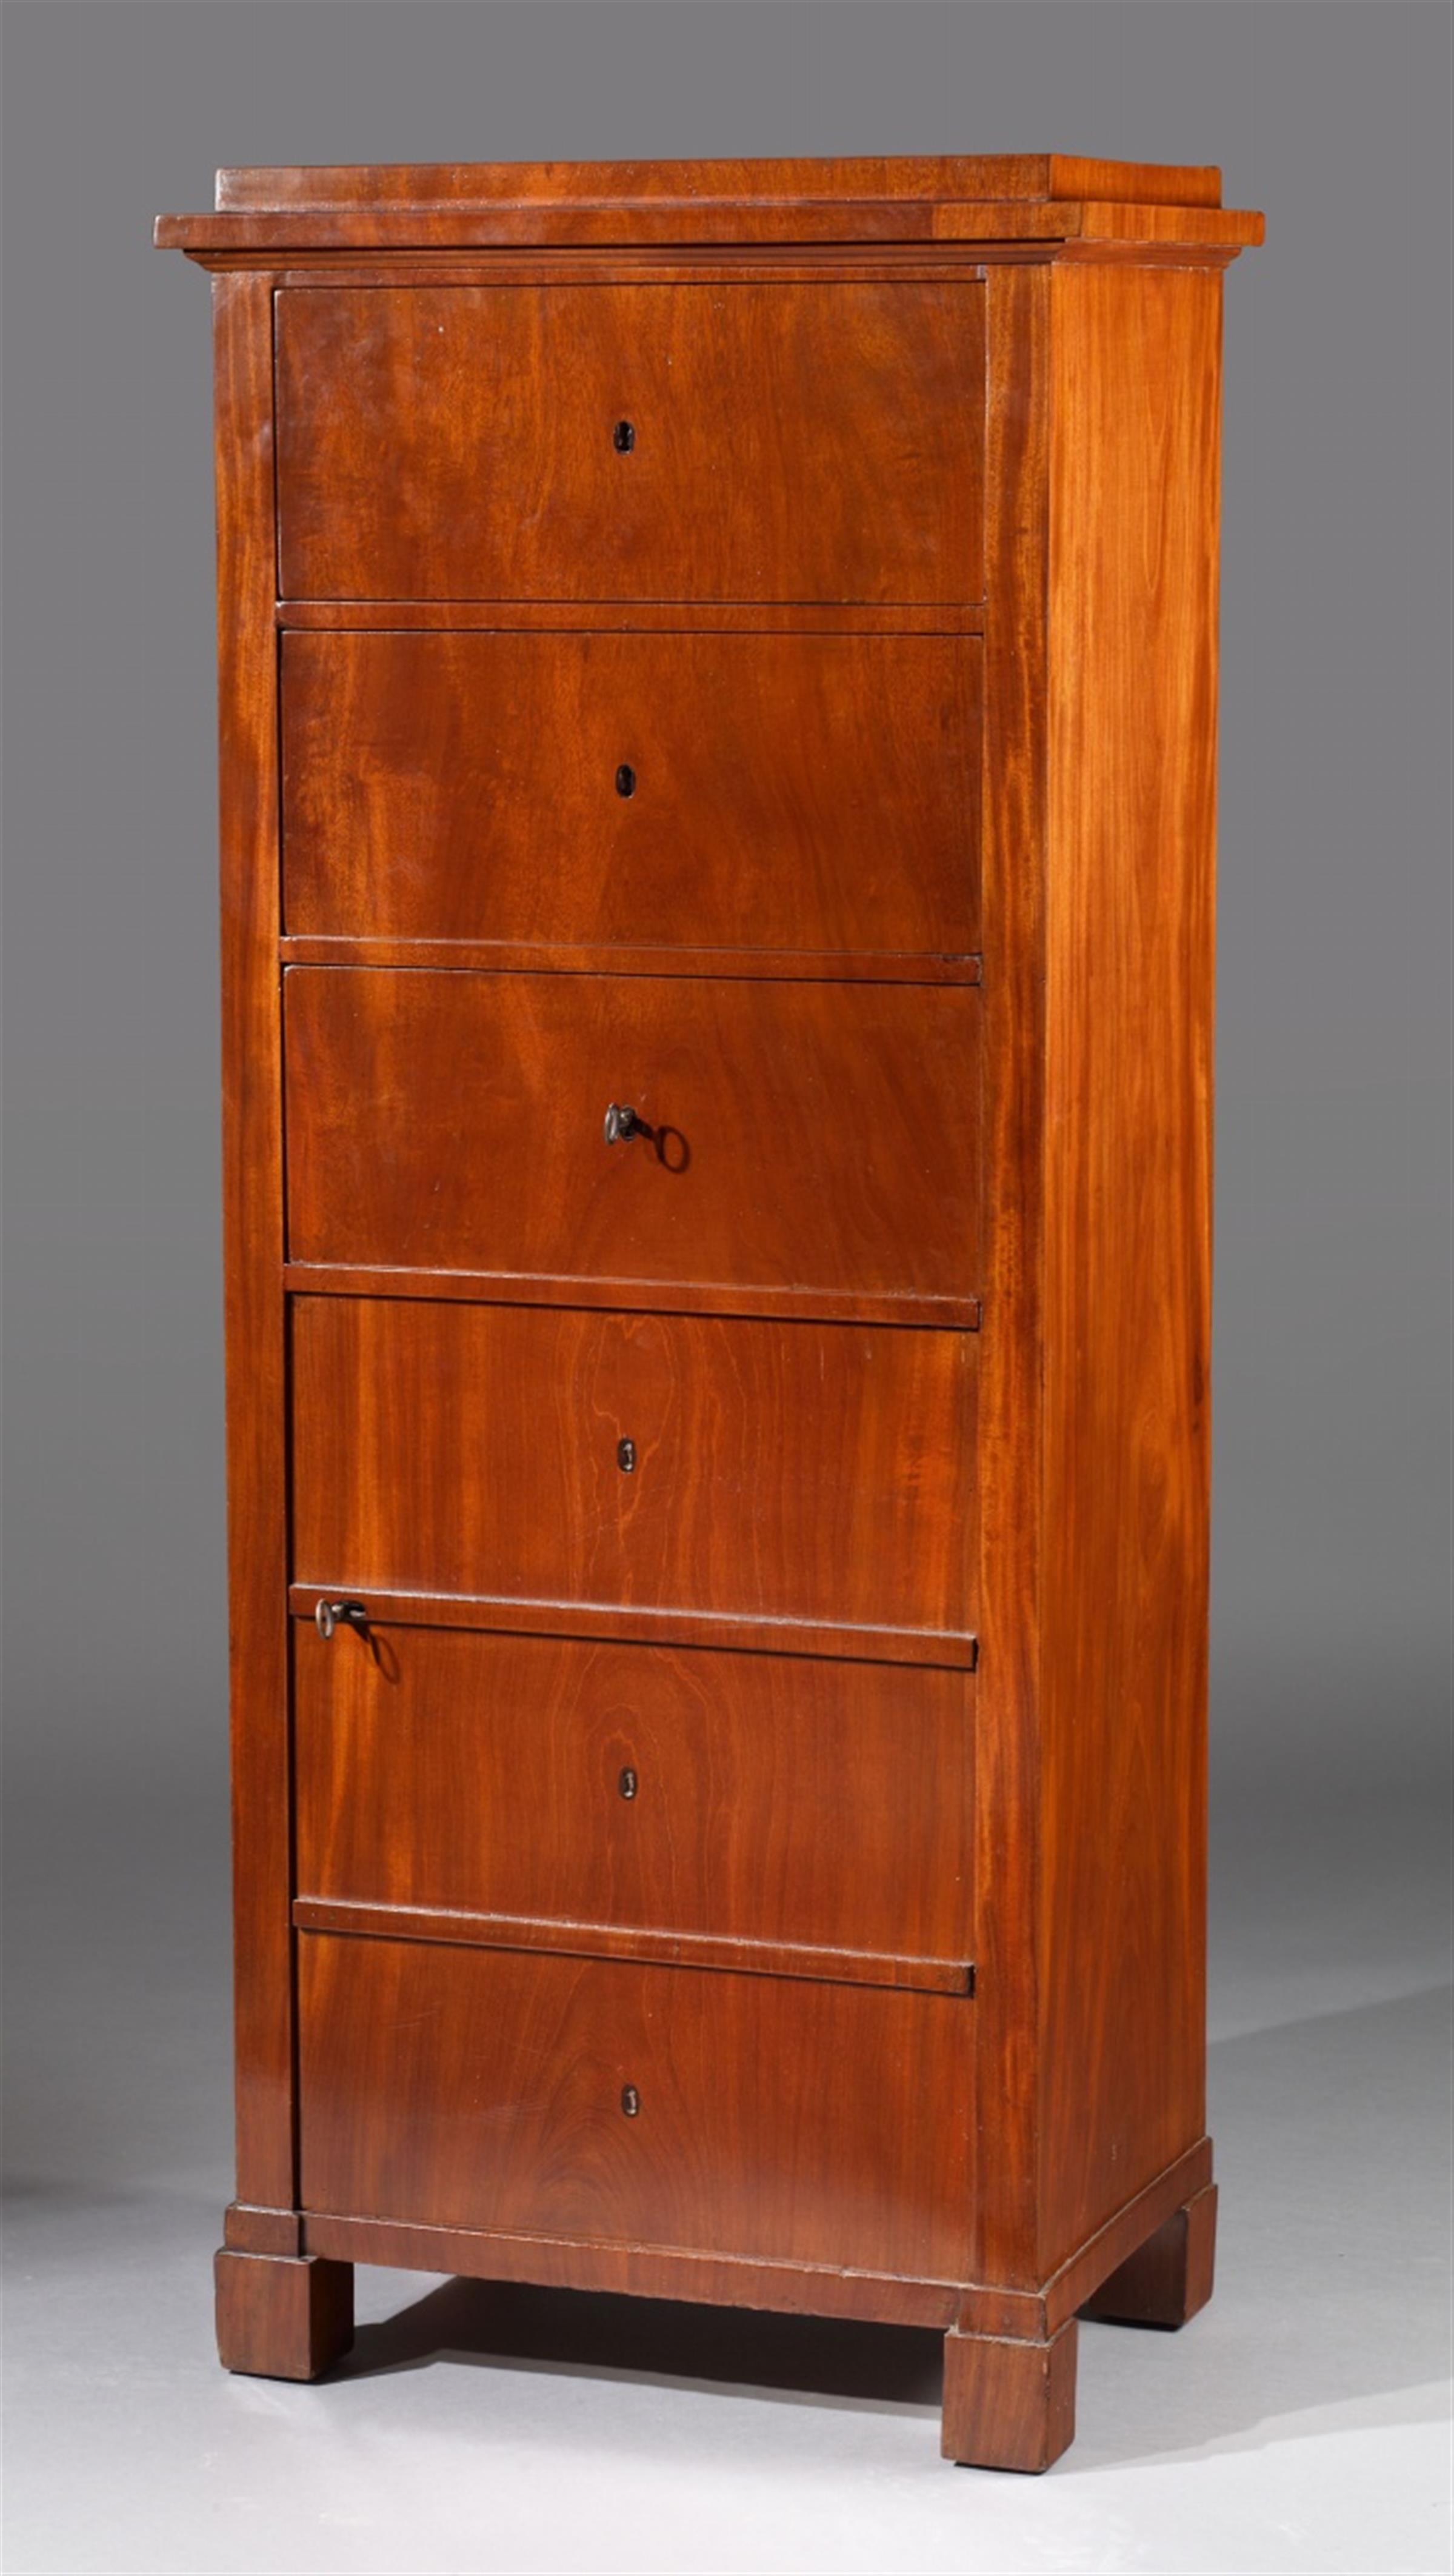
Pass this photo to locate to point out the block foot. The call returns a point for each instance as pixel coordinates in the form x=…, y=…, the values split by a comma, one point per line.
x=1008, y=2405
x=1168, y=2278
x=282, y=2316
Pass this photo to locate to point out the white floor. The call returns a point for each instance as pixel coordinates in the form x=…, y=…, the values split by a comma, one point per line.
x=1300, y=2423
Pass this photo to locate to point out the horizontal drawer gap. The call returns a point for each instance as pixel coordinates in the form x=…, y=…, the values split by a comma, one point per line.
x=952, y=1650
x=627, y=1941
x=635, y=1296
x=644, y=616
x=757, y=965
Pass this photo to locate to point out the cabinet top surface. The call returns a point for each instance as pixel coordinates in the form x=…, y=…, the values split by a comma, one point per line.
x=1004, y=196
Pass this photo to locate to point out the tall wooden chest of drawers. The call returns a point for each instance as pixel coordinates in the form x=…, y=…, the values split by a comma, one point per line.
x=718, y=672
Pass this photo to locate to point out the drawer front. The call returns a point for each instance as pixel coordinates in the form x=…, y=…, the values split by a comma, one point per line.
x=747, y=1797
x=817, y=1472
x=811, y=442
x=816, y=1139
x=782, y=791
x=774, y=2118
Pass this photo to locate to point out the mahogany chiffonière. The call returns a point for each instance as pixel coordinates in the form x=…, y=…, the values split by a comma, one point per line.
x=718, y=675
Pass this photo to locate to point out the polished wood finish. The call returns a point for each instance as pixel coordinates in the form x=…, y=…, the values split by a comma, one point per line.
x=1169, y=2278
x=835, y=426
x=759, y=965
x=1010, y=1386
x=744, y=1817
x=1127, y=1168
x=1008, y=2405
x=988, y=2308
x=880, y=1992
x=655, y=2271
x=282, y=2316
x=933, y=177
x=252, y=1241
x=246, y=2230
x=797, y=791
x=472, y=1931
x=1000, y=198
x=795, y=1138
x=784, y=1472
x=775, y=2118
x=668, y=1297
x=627, y=617
x=648, y=2271
x=949, y=1650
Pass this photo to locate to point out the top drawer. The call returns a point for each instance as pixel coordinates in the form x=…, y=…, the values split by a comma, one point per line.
x=716, y=442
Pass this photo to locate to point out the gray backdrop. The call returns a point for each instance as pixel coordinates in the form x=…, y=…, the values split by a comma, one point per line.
x=1333, y=1234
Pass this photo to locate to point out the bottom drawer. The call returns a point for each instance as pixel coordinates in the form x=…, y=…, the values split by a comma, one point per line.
x=715, y=2112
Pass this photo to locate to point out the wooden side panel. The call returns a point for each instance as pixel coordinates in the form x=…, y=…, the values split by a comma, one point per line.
x=753, y=1797
x=779, y=791
x=600, y=2099
x=792, y=442
x=1129, y=998
x=1012, y=1240
x=802, y=1472
x=807, y=1137
x=252, y=1150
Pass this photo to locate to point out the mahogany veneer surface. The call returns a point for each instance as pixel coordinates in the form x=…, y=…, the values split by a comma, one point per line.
x=718, y=1591
x=773, y=2117
x=508, y=1779
x=788, y=442
x=801, y=792
x=794, y=1136
x=791, y=1472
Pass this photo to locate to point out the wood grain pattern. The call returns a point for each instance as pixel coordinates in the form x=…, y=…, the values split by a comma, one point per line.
x=471, y=2088
x=737, y=181
x=246, y=2230
x=804, y=1137
x=465, y=1930
x=1008, y=2405
x=788, y=791
x=281, y=2317
x=785, y=965
x=252, y=1221
x=1032, y=2316
x=881, y=1992
x=1003, y=199
x=736, y=1631
x=1169, y=2277
x=778, y=1801
x=1012, y=1236
x=648, y=2271
x=1132, y=699
x=795, y=442
x=788, y=1471
x=661, y=2272
x=898, y=1307
x=720, y=617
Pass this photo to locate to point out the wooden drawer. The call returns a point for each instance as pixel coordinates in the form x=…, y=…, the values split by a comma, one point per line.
x=803, y=1472
x=785, y=792
x=776, y=2118
x=811, y=1143
x=669, y=1802
x=788, y=442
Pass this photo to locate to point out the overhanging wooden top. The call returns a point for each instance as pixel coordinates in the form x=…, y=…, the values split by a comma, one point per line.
x=467, y=205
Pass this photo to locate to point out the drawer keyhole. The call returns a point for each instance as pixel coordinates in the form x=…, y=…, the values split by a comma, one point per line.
x=625, y=779
x=626, y=1457
x=630, y=2100
x=627, y=1782
x=623, y=437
